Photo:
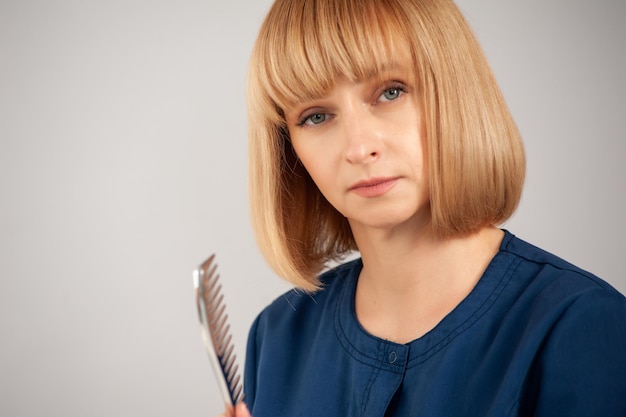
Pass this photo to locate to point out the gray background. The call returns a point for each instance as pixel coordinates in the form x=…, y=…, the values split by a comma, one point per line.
x=123, y=165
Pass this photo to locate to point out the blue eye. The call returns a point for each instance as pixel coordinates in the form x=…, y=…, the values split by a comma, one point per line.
x=314, y=119
x=391, y=94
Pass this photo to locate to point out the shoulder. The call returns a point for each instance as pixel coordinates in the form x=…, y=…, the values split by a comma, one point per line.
x=558, y=301
x=296, y=308
x=576, y=324
x=289, y=333
x=553, y=274
x=291, y=325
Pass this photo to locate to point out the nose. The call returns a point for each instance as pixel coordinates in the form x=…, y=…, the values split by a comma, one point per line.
x=363, y=140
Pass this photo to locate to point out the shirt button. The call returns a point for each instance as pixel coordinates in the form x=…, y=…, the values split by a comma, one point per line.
x=393, y=357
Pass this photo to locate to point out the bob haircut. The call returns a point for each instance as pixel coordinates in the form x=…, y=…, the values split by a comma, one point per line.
x=474, y=152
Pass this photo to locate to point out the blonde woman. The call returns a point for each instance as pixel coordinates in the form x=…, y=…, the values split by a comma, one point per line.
x=377, y=126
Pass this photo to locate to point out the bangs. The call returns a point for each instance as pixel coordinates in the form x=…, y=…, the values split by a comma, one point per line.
x=302, y=51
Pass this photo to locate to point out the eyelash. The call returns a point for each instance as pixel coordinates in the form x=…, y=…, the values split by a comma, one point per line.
x=396, y=85
x=401, y=88
x=303, y=121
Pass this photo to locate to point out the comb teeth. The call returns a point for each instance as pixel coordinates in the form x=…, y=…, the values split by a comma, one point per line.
x=216, y=331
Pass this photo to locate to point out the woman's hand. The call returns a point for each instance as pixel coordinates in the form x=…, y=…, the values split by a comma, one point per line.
x=240, y=410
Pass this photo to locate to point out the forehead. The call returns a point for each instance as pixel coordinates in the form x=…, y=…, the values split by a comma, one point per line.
x=304, y=51
x=321, y=87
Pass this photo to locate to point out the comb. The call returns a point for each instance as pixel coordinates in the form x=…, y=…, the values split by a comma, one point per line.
x=216, y=331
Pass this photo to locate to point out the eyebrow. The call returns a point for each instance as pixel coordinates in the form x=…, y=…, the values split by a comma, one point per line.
x=376, y=72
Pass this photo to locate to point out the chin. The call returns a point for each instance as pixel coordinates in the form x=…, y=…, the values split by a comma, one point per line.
x=390, y=219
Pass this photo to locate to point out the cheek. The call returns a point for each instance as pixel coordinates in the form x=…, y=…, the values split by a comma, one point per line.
x=320, y=168
x=315, y=158
x=317, y=168
x=410, y=144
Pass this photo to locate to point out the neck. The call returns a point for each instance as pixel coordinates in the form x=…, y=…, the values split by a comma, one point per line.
x=417, y=275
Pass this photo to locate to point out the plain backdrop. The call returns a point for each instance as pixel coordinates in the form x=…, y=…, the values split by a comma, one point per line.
x=123, y=165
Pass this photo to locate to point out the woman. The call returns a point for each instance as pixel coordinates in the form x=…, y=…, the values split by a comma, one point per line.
x=377, y=126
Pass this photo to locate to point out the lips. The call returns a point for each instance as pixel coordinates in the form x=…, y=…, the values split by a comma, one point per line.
x=373, y=187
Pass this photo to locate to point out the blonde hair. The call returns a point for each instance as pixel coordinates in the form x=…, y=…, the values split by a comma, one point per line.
x=475, y=154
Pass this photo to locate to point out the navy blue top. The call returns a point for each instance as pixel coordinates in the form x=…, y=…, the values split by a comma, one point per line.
x=535, y=337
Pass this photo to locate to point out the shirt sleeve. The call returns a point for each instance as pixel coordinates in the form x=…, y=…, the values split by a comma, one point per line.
x=582, y=368
x=250, y=369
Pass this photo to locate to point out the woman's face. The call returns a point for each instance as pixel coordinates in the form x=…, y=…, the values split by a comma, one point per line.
x=362, y=144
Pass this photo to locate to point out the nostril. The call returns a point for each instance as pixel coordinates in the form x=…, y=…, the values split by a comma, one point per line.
x=362, y=153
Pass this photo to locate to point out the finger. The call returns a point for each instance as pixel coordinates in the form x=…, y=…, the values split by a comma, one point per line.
x=241, y=410
x=230, y=411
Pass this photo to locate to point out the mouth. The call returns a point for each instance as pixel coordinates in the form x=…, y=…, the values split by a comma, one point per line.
x=373, y=187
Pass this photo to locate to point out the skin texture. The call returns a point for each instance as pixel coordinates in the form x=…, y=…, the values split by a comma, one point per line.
x=239, y=411
x=363, y=147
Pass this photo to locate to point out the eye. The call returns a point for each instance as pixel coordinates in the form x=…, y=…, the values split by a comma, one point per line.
x=313, y=119
x=392, y=93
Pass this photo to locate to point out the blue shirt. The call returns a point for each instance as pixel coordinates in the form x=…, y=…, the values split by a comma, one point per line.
x=537, y=336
